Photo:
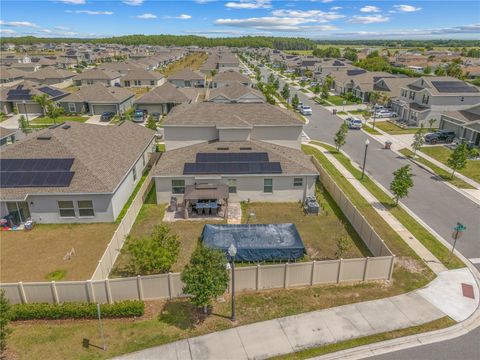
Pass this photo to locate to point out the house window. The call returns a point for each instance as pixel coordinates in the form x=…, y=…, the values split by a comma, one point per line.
x=66, y=209
x=297, y=182
x=143, y=159
x=85, y=208
x=268, y=186
x=134, y=172
x=412, y=95
x=152, y=82
x=232, y=186
x=137, y=82
x=71, y=107
x=178, y=186
x=127, y=83
x=89, y=82
x=462, y=98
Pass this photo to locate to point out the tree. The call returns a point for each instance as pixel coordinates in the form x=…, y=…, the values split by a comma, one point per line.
x=427, y=70
x=54, y=112
x=151, y=124
x=329, y=81
x=271, y=78
x=350, y=54
x=316, y=89
x=295, y=101
x=440, y=71
x=205, y=276
x=418, y=140
x=286, y=92
x=23, y=125
x=213, y=73
x=431, y=121
x=458, y=158
x=43, y=101
x=303, y=83
x=154, y=254
x=276, y=84
x=342, y=246
x=4, y=320
x=324, y=94
x=341, y=136
x=401, y=183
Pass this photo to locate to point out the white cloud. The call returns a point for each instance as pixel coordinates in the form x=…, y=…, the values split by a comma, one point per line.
x=335, y=8
x=312, y=15
x=370, y=9
x=61, y=28
x=146, y=16
x=274, y=23
x=203, y=1
x=7, y=31
x=368, y=19
x=46, y=31
x=407, y=8
x=179, y=17
x=133, y=2
x=73, y=2
x=90, y=12
x=18, y=24
x=249, y=4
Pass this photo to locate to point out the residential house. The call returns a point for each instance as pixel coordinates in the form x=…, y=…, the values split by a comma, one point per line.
x=52, y=76
x=163, y=98
x=30, y=67
x=97, y=98
x=187, y=78
x=96, y=75
x=226, y=77
x=142, y=78
x=9, y=136
x=362, y=85
x=429, y=97
x=11, y=76
x=465, y=123
x=88, y=172
x=235, y=92
x=122, y=67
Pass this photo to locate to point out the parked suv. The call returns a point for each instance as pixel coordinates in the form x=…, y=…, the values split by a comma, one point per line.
x=306, y=110
x=107, y=116
x=353, y=123
x=440, y=136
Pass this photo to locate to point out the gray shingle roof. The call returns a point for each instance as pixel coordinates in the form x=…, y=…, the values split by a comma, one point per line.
x=292, y=161
x=233, y=91
x=163, y=94
x=141, y=74
x=186, y=74
x=98, y=74
x=232, y=76
x=102, y=155
x=99, y=93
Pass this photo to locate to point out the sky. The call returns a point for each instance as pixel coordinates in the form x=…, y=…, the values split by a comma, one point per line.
x=315, y=19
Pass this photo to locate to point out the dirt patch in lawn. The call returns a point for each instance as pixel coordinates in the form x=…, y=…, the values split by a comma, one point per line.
x=32, y=255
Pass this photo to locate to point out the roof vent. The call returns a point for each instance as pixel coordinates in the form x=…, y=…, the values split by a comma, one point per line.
x=66, y=127
x=44, y=137
x=223, y=148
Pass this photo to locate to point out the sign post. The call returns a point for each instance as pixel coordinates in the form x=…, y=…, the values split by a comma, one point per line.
x=457, y=234
x=101, y=327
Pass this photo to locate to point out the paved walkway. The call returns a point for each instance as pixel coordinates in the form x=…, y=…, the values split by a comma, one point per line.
x=12, y=122
x=293, y=333
x=430, y=260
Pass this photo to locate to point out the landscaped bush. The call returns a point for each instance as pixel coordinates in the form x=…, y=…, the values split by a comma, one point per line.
x=75, y=310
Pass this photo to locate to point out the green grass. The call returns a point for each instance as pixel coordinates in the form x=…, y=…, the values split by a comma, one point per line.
x=322, y=101
x=338, y=100
x=442, y=153
x=357, y=112
x=349, y=344
x=48, y=121
x=369, y=130
x=393, y=129
x=444, y=175
x=421, y=234
x=132, y=196
x=56, y=275
x=305, y=91
x=341, y=113
x=161, y=147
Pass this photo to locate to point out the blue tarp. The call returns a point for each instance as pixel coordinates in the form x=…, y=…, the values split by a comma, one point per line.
x=256, y=242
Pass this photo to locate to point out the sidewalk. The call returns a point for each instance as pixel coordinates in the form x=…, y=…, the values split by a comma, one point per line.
x=430, y=260
x=293, y=333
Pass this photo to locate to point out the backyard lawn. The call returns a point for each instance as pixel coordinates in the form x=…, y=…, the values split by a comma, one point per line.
x=191, y=61
x=45, y=120
x=32, y=255
x=441, y=153
x=338, y=100
x=394, y=129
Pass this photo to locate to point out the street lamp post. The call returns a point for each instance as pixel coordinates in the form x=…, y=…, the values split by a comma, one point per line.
x=367, y=142
x=25, y=110
x=374, y=115
x=232, y=251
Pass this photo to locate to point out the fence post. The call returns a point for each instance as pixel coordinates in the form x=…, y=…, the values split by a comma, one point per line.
x=108, y=291
x=312, y=275
x=390, y=273
x=140, y=287
x=21, y=290
x=339, y=274
x=170, y=285
x=285, y=277
x=257, y=280
x=54, y=292
x=90, y=291
x=365, y=270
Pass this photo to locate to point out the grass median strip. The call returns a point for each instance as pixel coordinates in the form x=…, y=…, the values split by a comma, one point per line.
x=327, y=349
x=393, y=129
x=443, y=174
x=422, y=234
x=369, y=130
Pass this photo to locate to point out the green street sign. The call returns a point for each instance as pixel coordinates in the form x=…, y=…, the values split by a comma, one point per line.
x=460, y=227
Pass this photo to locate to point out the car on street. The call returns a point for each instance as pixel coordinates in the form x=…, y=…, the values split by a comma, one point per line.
x=107, y=116
x=353, y=123
x=385, y=113
x=306, y=110
x=440, y=136
x=299, y=106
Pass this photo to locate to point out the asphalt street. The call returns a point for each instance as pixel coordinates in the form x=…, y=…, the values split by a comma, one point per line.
x=437, y=204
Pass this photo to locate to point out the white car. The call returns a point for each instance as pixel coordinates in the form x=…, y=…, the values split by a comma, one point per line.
x=353, y=123
x=299, y=106
x=385, y=113
x=306, y=110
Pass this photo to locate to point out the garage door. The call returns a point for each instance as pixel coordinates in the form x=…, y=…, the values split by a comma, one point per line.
x=445, y=125
x=99, y=109
x=150, y=108
x=31, y=109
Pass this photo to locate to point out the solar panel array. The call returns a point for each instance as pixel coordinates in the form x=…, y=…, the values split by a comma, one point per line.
x=453, y=87
x=50, y=91
x=35, y=172
x=18, y=94
x=355, y=72
x=232, y=163
x=338, y=63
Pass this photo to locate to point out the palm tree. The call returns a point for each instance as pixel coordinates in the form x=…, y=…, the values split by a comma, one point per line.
x=43, y=101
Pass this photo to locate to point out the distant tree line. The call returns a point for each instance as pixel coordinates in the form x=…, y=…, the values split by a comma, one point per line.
x=403, y=43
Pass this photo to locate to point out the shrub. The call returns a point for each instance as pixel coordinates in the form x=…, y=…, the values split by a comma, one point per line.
x=5, y=317
x=75, y=310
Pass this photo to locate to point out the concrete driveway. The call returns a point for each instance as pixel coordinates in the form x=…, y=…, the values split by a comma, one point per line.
x=12, y=122
x=95, y=119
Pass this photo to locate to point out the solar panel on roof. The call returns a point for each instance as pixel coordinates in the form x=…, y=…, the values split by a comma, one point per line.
x=232, y=157
x=12, y=179
x=454, y=86
x=355, y=72
x=50, y=91
x=232, y=168
x=35, y=164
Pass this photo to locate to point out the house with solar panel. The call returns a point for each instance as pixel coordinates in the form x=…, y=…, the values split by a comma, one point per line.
x=73, y=172
x=221, y=152
x=21, y=96
x=429, y=97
